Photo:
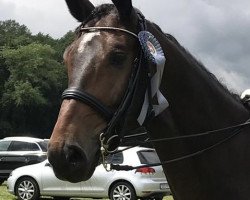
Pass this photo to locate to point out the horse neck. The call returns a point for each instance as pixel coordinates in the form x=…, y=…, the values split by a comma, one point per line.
x=198, y=102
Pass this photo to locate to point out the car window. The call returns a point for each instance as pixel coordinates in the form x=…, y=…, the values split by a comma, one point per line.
x=43, y=145
x=115, y=158
x=33, y=147
x=23, y=146
x=4, y=145
x=148, y=157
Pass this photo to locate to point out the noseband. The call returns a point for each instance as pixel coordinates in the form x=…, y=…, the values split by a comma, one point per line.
x=84, y=97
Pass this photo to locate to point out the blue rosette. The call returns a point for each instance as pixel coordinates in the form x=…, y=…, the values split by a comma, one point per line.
x=150, y=46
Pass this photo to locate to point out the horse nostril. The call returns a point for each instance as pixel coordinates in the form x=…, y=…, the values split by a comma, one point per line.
x=75, y=155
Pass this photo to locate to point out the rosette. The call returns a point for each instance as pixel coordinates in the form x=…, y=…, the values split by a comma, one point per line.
x=154, y=54
x=150, y=46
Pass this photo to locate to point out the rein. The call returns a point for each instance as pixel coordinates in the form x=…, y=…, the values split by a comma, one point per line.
x=236, y=130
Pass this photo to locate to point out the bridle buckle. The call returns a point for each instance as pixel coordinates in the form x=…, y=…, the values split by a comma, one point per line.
x=105, y=150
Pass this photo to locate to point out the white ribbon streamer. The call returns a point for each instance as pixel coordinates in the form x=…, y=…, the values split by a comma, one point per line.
x=155, y=82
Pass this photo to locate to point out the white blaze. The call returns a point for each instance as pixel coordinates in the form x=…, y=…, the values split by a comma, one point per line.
x=87, y=37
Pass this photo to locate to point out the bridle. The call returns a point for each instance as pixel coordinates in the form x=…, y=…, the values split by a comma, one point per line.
x=84, y=97
x=101, y=28
x=108, y=138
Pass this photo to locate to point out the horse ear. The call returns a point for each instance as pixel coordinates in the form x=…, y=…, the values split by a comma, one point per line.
x=80, y=9
x=124, y=7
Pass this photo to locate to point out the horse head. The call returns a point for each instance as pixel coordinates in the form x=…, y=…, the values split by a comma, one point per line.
x=99, y=63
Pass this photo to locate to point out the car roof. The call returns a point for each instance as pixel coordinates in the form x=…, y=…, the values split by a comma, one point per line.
x=23, y=138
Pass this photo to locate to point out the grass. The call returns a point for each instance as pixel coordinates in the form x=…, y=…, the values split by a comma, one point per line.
x=168, y=198
x=5, y=195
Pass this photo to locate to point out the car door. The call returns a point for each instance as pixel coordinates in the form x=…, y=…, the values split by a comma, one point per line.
x=53, y=186
x=101, y=179
x=74, y=189
x=17, y=154
x=50, y=184
x=4, y=169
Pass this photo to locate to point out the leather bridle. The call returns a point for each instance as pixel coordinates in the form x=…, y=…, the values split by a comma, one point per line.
x=84, y=97
x=111, y=138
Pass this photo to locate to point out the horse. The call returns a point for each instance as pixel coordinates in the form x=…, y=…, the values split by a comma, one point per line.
x=201, y=136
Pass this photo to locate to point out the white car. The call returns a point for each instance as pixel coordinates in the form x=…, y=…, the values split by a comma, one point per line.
x=30, y=182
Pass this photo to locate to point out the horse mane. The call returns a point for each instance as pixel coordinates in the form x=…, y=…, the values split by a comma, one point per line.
x=192, y=59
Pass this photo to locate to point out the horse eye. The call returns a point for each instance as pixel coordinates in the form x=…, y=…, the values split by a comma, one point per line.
x=117, y=58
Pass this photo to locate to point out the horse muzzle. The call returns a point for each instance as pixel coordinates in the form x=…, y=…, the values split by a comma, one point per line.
x=71, y=163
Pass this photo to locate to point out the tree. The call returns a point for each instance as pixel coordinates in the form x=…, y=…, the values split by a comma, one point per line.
x=35, y=83
x=13, y=34
x=32, y=78
x=63, y=43
x=33, y=70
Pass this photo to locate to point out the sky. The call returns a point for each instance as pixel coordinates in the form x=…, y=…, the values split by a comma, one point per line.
x=215, y=32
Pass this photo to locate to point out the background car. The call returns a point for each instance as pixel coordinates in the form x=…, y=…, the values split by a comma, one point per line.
x=30, y=182
x=20, y=151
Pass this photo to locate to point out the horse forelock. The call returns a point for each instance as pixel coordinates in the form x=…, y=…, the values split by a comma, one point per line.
x=101, y=11
x=104, y=10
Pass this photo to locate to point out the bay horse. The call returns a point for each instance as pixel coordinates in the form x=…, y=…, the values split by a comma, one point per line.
x=106, y=93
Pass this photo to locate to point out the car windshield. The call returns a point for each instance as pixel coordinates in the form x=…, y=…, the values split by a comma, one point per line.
x=4, y=145
x=23, y=146
x=44, y=145
x=148, y=157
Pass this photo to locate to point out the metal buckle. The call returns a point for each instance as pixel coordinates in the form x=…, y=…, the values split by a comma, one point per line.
x=106, y=151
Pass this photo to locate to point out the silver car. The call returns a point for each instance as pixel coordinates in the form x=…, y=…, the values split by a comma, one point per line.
x=30, y=182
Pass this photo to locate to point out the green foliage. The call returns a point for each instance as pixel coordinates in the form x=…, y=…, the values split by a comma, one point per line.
x=13, y=34
x=33, y=72
x=32, y=78
x=64, y=42
x=4, y=194
x=23, y=94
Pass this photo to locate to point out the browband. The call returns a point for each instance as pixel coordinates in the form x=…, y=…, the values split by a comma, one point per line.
x=97, y=28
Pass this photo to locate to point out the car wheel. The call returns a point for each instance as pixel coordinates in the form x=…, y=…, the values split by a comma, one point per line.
x=122, y=190
x=27, y=189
